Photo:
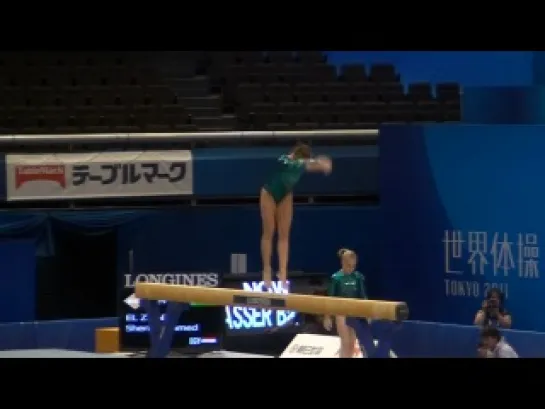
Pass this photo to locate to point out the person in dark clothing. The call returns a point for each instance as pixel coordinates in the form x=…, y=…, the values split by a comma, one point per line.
x=314, y=324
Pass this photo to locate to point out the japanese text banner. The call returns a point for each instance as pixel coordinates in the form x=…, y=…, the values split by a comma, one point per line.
x=95, y=175
x=463, y=211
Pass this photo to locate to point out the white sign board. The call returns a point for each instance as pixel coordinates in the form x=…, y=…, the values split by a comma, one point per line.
x=312, y=346
x=319, y=346
x=100, y=174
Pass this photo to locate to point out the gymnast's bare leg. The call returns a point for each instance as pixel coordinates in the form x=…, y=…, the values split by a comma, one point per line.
x=284, y=217
x=268, y=219
x=347, y=336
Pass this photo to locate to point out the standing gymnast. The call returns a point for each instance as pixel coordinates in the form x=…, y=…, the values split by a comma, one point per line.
x=346, y=283
x=276, y=204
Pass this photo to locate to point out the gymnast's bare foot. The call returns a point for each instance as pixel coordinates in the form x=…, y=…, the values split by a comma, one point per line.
x=267, y=279
x=284, y=287
x=283, y=278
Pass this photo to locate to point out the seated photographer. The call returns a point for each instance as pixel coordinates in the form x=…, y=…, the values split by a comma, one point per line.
x=496, y=345
x=483, y=351
x=493, y=312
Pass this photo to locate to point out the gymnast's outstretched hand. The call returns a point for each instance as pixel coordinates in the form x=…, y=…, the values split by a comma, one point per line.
x=325, y=163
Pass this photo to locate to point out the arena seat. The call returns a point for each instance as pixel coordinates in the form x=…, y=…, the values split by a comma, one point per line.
x=364, y=91
x=420, y=91
x=311, y=57
x=292, y=118
x=336, y=91
x=269, y=107
x=249, y=93
x=353, y=73
x=291, y=73
x=291, y=107
x=401, y=111
x=278, y=92
x=383, y=73
x=249, y=57
x=280, y=56
x=427, y=111
x=321, y=73
x=391, y=91
x=375, y=110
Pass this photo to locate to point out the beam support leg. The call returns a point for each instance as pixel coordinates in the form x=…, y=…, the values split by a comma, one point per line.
x=162, y=330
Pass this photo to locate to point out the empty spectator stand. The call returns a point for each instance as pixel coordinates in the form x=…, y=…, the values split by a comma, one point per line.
x=96, y=92
x=181, y=91
x=280, y=90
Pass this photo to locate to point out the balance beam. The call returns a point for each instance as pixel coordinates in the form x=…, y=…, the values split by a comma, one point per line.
x=311, y=304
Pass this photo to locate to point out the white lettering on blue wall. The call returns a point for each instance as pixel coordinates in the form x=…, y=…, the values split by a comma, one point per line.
x=238, y=318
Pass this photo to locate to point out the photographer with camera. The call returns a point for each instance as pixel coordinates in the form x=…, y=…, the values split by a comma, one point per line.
x=493, y=312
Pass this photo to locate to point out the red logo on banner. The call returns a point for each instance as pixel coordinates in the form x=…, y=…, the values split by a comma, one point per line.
x=29, y=173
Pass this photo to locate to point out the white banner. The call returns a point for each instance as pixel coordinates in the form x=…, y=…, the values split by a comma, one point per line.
x=319, y=346
x=94, y=175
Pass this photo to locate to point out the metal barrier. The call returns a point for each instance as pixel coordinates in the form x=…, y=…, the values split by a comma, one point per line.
x=364, y=134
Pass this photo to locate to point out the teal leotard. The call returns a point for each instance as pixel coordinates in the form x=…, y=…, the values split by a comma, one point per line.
x=347, y=285
x=284, y=179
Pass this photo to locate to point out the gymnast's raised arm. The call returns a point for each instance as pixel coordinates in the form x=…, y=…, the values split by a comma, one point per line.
x=318, y=164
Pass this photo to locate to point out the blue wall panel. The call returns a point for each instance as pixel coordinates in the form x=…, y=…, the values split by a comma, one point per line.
x=469, y=68
x=462, y=210
x=504, y=105
x=202, y=239
x=243, y=171
x=17, y=281
x=416, y=339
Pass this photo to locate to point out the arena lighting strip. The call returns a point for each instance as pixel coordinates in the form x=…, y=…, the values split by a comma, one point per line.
x=364, y=134
x=181, y=295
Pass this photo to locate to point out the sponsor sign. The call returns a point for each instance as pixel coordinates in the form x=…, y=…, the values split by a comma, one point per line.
x=320, y=346
x=94, y=175
x=200, y=325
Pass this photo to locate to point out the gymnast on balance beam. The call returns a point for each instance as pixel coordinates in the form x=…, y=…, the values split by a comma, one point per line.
x=346, y=283
x=276, y=206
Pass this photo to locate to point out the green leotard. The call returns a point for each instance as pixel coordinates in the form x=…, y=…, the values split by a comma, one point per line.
x=285, y=178
x=347, y=285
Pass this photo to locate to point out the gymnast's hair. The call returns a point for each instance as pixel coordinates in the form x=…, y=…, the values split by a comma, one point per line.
x=301, y=151
x=347, y=252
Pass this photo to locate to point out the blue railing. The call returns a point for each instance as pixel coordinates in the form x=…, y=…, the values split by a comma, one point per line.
x=414, y=338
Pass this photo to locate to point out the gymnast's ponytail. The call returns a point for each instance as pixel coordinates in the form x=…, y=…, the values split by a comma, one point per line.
x=341, y=252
